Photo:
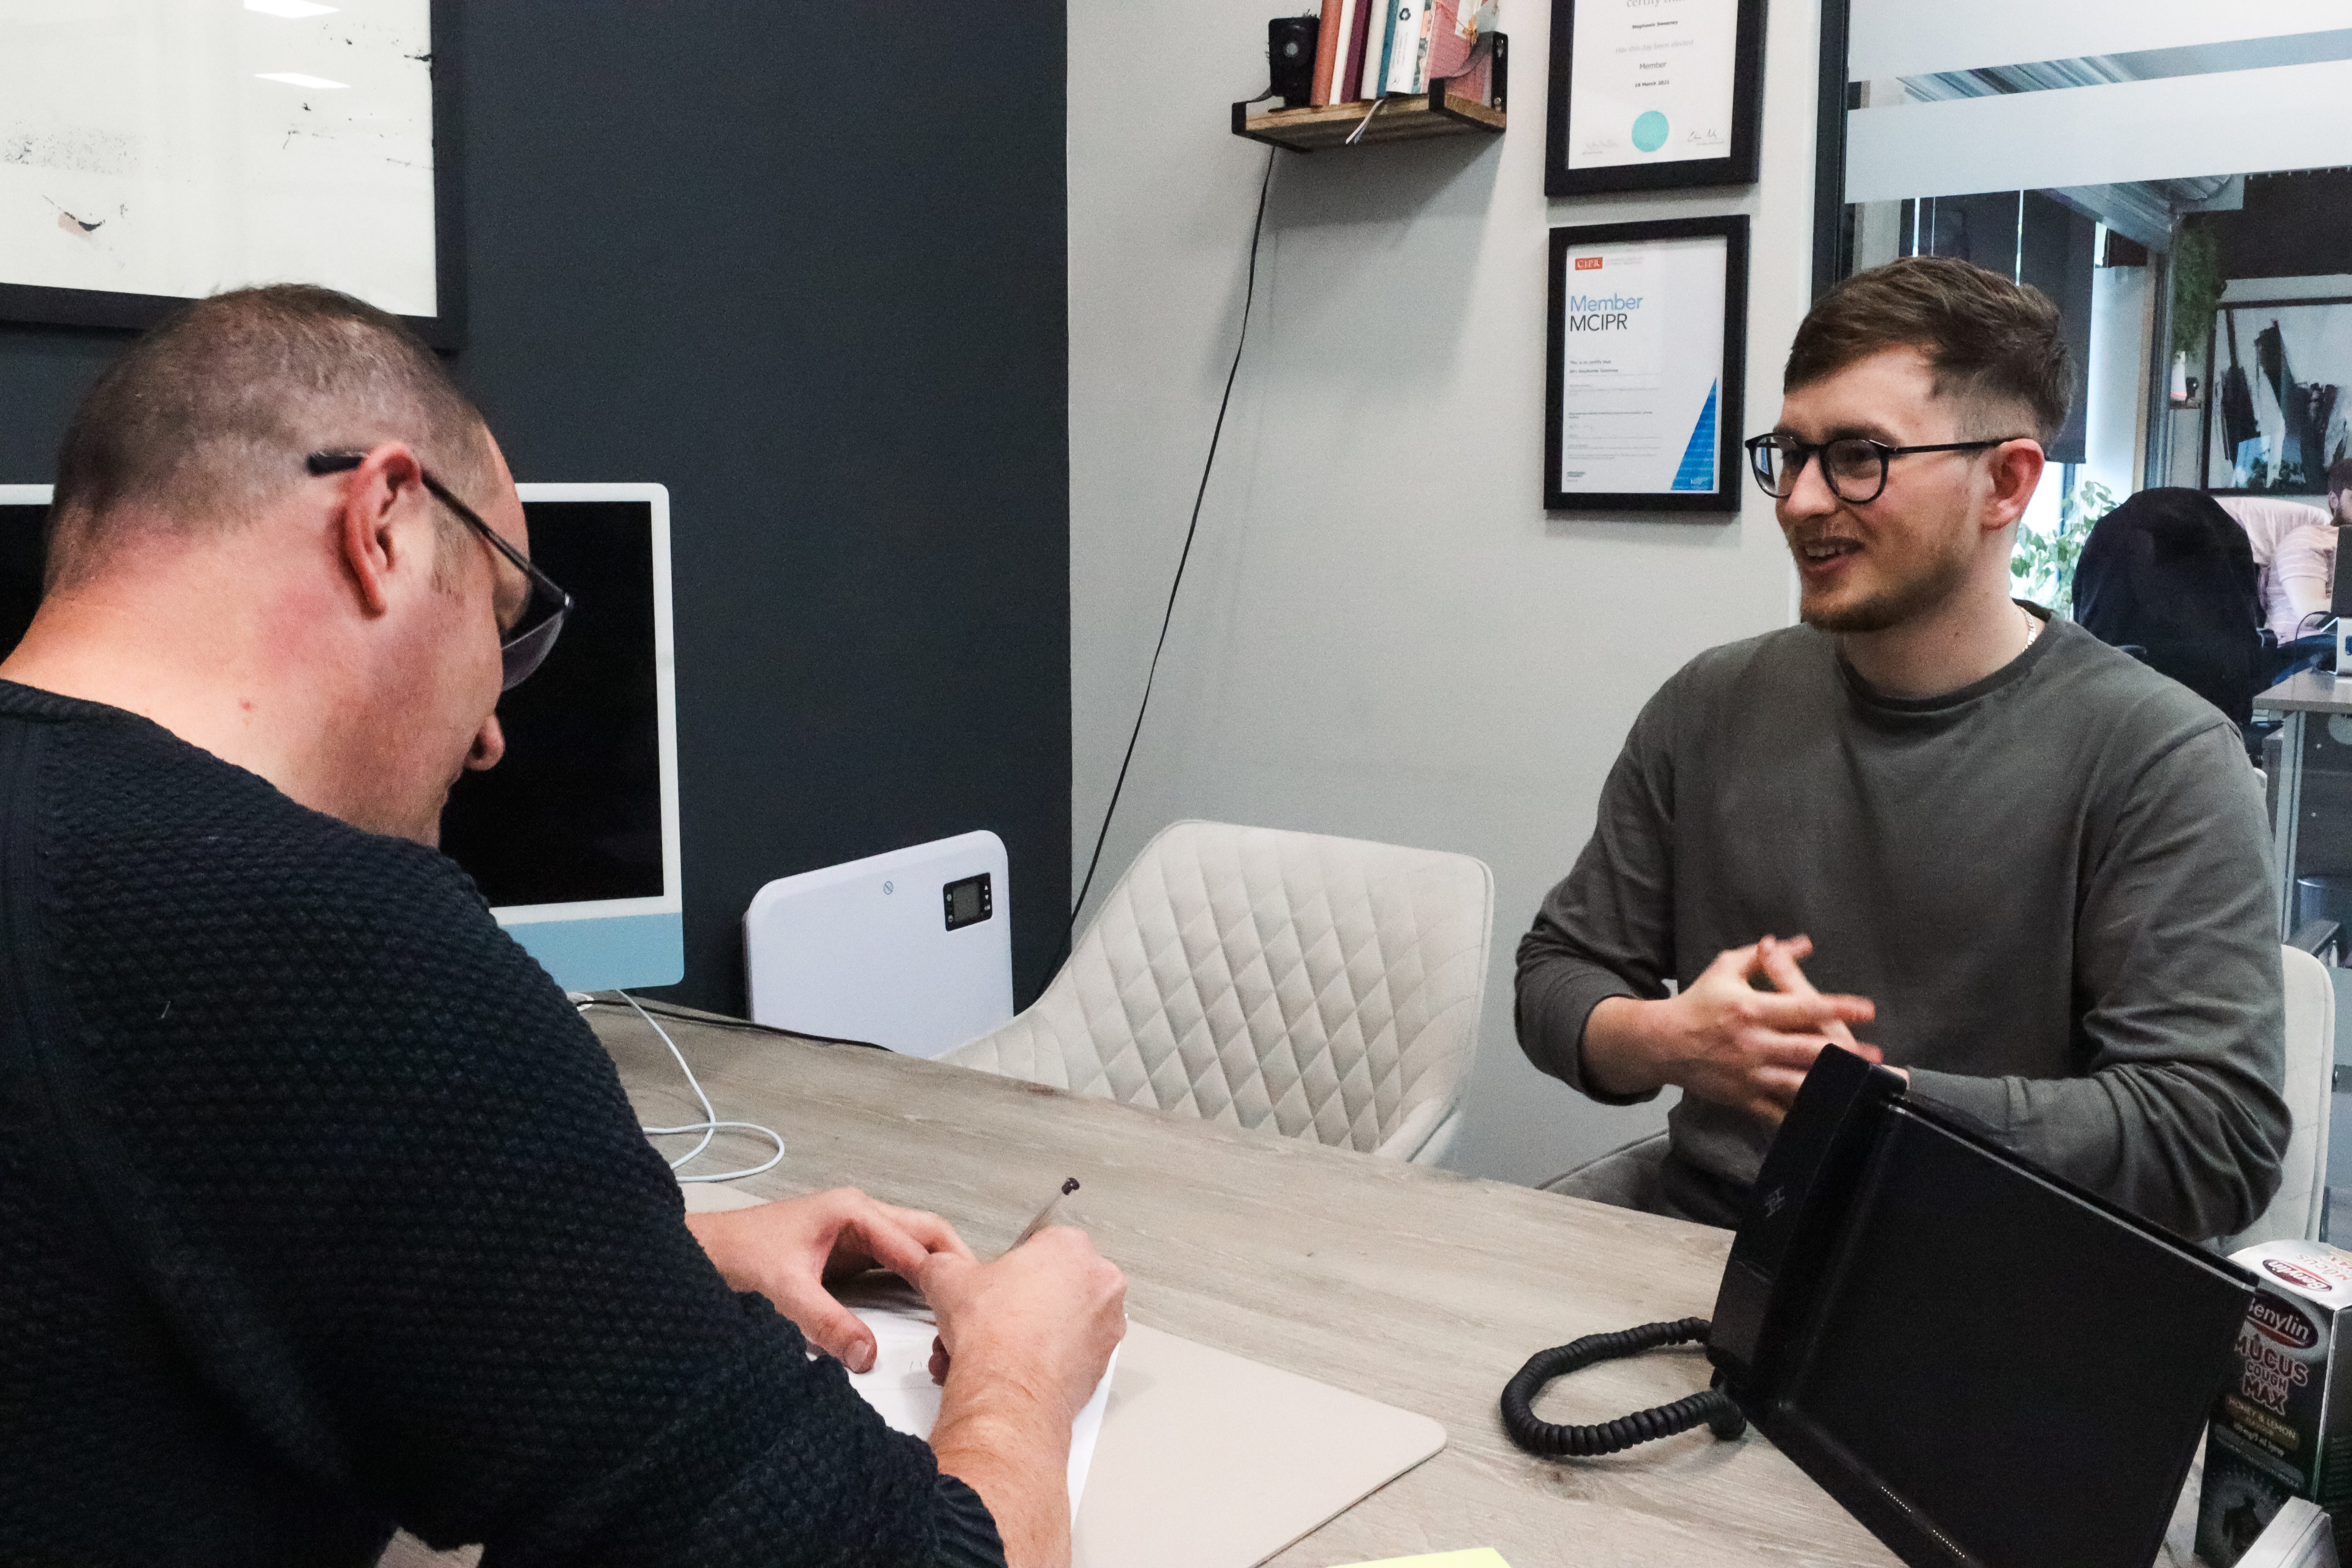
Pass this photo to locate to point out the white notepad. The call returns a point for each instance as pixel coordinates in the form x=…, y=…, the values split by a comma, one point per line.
x=900, y=1388
x=1279, y=1453
x=1212, y=1461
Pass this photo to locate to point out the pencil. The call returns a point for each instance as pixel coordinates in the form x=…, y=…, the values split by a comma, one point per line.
x=1046, y=1216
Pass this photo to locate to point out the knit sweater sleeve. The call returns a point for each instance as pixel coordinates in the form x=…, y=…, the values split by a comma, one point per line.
x=1607, y=929
x=2175, y=1110
x=384, y=1186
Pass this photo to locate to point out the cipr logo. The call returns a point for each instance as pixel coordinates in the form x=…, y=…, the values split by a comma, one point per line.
x=1589, y=263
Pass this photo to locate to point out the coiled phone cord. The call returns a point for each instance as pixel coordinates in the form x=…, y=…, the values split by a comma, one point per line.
x=1713, y=1407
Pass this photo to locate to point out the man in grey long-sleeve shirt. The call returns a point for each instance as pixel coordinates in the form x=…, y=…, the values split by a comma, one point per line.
x=2031, y=872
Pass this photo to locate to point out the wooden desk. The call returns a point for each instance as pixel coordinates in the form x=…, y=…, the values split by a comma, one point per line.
x=1412, y=1285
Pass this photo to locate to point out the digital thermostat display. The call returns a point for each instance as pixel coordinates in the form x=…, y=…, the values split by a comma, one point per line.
x=968, y=901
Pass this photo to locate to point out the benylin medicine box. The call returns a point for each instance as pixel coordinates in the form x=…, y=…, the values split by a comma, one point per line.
x=2282, y=1426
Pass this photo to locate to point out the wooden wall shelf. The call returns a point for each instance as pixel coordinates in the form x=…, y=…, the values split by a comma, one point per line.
x=1399, y=119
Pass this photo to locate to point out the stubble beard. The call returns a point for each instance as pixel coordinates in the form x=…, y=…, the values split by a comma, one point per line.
x=1925, y=590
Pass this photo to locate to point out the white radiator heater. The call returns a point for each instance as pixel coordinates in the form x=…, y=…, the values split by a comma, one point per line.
x=912, y=949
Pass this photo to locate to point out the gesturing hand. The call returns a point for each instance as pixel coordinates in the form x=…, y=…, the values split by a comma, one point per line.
x=1779, y=960
x=790, y=1251
x=1724, y=1040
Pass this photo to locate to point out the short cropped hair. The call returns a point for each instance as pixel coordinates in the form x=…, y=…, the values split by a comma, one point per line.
x=2339, y=476
x=1992, y=342
x=210, y=414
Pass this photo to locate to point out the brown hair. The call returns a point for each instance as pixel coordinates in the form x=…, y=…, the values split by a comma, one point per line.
x=1991, y=341
x=2339, y=476
x=212, y=411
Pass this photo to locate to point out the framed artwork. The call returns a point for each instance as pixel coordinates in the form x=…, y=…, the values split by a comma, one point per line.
x=2279, y=409
x=1655, y=95
x=1646, y=366
x=153, y=152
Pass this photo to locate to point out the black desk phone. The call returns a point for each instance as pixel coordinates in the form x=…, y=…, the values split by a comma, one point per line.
x=1986, y=1365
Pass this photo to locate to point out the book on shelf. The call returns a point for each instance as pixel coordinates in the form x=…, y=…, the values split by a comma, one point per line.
x=1408, y=47
x=1351, y=85
x=1333, y=82
x=1379, y=48
x=1454, y=52
x=1374, y=83
x=1319, y=86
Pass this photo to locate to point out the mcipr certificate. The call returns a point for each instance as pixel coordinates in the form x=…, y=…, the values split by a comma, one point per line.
x=1640, y=359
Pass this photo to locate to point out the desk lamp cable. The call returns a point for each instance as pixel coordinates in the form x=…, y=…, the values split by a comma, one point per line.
x=1249, y=294
x=710, y=1126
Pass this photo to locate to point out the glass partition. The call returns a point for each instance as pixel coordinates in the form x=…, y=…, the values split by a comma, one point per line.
x=2177, y=177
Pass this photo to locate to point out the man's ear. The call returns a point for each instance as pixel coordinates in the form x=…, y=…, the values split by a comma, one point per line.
x=381, y=490
x=2015, y=469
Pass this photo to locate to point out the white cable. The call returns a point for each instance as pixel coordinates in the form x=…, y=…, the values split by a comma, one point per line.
x=710, y=1125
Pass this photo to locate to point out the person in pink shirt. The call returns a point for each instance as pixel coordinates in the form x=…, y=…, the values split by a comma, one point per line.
x=2295, y=553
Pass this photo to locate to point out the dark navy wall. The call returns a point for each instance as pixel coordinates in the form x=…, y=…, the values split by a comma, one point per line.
x=828, y=311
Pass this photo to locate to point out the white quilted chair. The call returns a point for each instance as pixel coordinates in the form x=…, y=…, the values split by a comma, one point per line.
x=2294, y=1213
x=1328, y=988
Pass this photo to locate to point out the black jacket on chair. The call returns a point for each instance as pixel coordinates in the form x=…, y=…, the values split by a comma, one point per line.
x=2171, y=576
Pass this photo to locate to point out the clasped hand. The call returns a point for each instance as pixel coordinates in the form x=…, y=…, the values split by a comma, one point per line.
x=1722, y=1038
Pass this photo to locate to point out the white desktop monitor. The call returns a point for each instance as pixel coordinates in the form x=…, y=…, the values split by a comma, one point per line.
x=574, y=837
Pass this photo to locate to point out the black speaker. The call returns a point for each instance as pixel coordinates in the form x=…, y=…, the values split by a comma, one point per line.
x=1290, y=55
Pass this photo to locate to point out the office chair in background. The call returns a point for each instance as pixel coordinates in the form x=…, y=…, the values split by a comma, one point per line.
x=2300, y=1207
x=1327, y=988
x=2169, y=578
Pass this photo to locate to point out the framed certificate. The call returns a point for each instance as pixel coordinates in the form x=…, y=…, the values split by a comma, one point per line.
x=1646, y=366
x=156, y=152
x=1654, y=94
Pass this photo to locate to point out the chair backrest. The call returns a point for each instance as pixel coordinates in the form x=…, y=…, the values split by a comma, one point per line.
x=2295, y=1213
x=1326, y=987
x=2170, y=573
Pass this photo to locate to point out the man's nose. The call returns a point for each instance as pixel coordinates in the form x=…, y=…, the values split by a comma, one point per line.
x=1812, y=495
x=489, y=745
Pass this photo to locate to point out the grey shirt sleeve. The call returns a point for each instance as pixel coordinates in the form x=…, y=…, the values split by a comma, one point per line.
x=2177, y=1113
x=1607, y=930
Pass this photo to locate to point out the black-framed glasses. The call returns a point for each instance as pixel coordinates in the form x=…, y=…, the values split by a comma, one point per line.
x=1854, y=466
x=524, y=649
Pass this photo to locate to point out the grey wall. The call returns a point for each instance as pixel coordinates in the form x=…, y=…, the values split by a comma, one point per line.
x=1383, y=634
x=805, y=265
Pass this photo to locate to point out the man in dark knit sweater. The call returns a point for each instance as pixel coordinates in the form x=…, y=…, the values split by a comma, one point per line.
x=321, y=1211
x=2033, y=872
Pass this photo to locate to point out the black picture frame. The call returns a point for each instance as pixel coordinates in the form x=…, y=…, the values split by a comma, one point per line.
x=36, y=306
x=2211, y=400
x=1832, y=235
x=1737, y=167
x=1730, y=414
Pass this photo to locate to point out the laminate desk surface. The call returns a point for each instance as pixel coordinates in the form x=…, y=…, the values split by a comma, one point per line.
x=2307, y=692
x=1412, y=1285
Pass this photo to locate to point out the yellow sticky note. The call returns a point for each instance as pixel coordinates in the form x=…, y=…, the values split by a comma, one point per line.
x=1484, y=1557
